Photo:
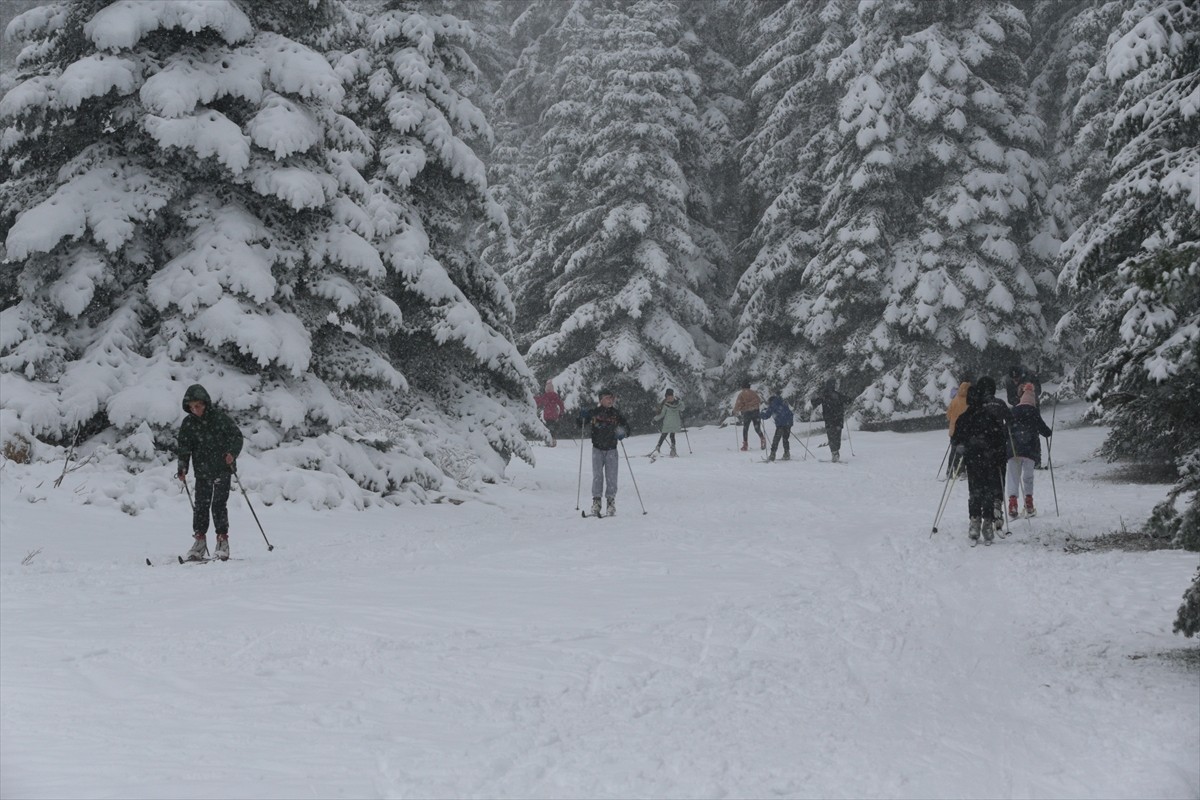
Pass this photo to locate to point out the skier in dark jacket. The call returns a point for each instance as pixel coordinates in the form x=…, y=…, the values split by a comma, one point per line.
x=783, y=419
x=1024, y=447
x=609, y=427
x=833, y=405
x=1003, y=414
x=978, y=440
x=211, y=441
x=1018, y=376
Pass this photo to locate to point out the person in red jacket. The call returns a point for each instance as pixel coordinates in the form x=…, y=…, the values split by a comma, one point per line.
x=551, y=407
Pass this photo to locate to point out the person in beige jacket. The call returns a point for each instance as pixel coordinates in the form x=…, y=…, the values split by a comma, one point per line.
x=746, y=406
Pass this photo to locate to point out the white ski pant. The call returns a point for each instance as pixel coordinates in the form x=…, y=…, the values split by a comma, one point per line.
x=1020, y=476
x=604, y=469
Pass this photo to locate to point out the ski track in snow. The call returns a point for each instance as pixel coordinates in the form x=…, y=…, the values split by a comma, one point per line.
x=782, y=630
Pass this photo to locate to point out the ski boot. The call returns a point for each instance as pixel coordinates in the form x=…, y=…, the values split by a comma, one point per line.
x=612, y=507
x=595, y=506
x=1030, y=511
x=222, y=546
x=836, y=456
x=674, y=452
x=745, y=445
x=973, y=529
x=786, y=457
x=762, y=442
x=199, y=550
x=1012, y=506
x=986, y=527
x=771, y=457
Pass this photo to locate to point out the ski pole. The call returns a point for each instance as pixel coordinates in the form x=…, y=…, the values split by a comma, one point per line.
x=946, y=492
x=579, y=485
x=635, y=486
x=943, y=461
x=807, y=439
x=850, y=441
x=1005, y=525
x=270, y=546
x=689, y=441
x=1050, y=453
x=189, y=494
x=802, y=444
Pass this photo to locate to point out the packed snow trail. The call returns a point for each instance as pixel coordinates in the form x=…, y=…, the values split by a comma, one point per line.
x=789, y=630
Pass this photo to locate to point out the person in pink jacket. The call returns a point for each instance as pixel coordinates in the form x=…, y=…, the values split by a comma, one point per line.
x=551, y=407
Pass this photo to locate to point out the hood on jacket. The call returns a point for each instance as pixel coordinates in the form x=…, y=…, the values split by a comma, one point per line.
x=1027, y=395
x=196, y=392
x=981, y=391
x=549, y=387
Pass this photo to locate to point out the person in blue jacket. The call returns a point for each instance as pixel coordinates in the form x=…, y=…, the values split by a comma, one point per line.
x=783, y=418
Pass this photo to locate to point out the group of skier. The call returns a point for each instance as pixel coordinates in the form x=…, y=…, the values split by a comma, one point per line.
x=608, y=426
x=991, y=441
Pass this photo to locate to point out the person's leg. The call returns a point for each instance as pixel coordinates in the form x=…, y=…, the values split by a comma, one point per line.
x=220, y=500
x=786, y=434
x=662, y=438
x=1014, y=480
x=747, y=418
x=204, y=501
x=597, y=473
x=833, y=432
x=674, y=452
x=611, y=461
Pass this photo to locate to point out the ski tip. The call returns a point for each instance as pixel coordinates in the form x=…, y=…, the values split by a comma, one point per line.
x=181, y=561
x=148, y=564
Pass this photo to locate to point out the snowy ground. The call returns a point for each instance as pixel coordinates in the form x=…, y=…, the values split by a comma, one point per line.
x=784, y=629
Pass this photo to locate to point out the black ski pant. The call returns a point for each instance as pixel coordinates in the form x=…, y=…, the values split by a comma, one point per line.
x=211, y=493
x=748, y=418
x=663, y=438
x=833, y=430
x=784, y=434
x=982, y=479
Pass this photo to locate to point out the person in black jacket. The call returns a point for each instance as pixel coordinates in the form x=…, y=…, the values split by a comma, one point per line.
x=211, y=441
x=998, y=409
x=1018, y=376
x=609, y=426
x=833, y=409
x=978, y=441
x=1024, y=446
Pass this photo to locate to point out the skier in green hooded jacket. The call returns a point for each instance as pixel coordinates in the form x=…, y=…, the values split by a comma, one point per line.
x=211, y=441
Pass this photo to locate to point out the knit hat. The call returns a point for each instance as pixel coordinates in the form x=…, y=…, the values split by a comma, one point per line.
x=1028, y=398
x=670, y=392
x=606, y=393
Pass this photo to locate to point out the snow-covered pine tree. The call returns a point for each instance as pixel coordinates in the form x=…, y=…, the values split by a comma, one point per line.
x=619, y=253
x=525, y=94
x=1069, y=92
x=429, y=197
x=923, y=272
x=1140, y=251
x=713, y=43
x=183, y=203
x=793, y=109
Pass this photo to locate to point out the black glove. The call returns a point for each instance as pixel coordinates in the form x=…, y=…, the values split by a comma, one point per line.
x=960, y=450
x=621, y=432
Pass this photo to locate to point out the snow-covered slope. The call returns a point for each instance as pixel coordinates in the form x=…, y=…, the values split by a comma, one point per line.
x=785, y=629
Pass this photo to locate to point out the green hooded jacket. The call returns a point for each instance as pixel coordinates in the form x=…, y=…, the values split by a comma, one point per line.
x=205, y=440
x=671, y=415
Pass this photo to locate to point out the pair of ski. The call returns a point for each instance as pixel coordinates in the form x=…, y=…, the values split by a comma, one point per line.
x=596, y=516
x=204, y=560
